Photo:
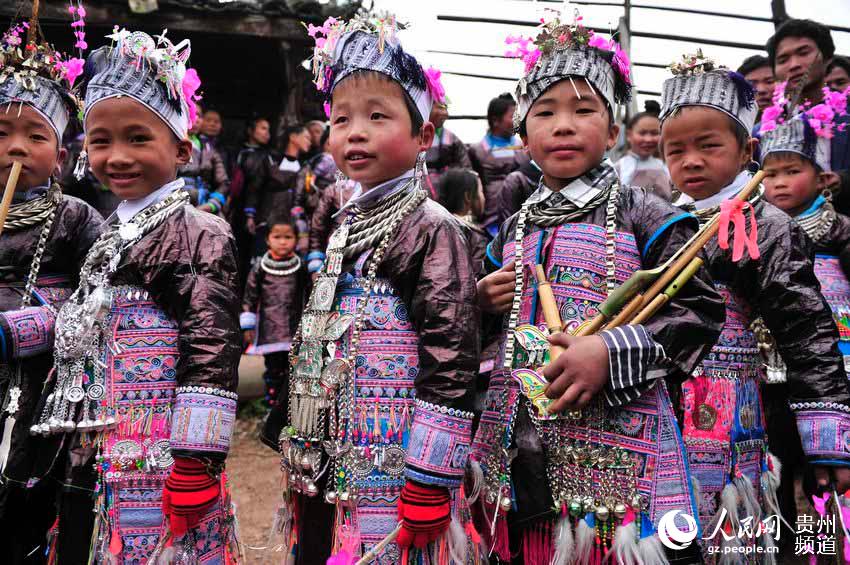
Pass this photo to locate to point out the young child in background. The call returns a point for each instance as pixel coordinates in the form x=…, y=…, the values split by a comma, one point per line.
x=147, y=347
x=460, y=191
x=794, y=183
x=587, y=477
x=271, y=309
x=640, y=166
x=707, y=116
x=44, y=240
x=381, y=387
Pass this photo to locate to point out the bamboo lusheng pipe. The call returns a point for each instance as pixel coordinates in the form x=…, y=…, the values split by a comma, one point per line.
x=671, y=270
x=9, y=193
x=550, y=310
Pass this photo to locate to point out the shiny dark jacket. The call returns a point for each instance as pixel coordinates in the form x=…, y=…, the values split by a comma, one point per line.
x=268, y=190
x=207, y=168
x=278, y=302
x=76, y=226
x=493, y=170
x=188, y=265
x=323, y=222
x=518, y=186
x=781, y=287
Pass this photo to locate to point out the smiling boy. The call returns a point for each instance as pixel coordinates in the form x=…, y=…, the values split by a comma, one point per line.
x=148, y=345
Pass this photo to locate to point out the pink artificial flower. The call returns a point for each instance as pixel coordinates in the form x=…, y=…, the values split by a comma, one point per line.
x=562, y=38
x=433, y=80
x=599, y=42
x=767, y=125
x=312, y=30
x=71, y=69
x=836, y=100
x=771, y=113
x=81, y=11
x=327, y=108
x=531, y=59
x=320, y=42
x=821, y=112
x=72, y=8
x=819, y=503
x=191, y=84
x=13, y=40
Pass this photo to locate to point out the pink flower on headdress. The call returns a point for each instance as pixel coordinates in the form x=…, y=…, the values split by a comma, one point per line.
x=770, y=114
x=767, y=125
x=599, y=42
x=71, y=69
x=327, y=108
x=821, y=112
x=622, y=63
x=433, y=80
x=191, y=84
x=836, y=100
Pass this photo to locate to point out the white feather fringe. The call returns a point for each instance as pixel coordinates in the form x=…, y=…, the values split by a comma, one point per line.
x=458, y=542
x=477, y=476
x=564, y=542
x=651, y=551
x=624, y=548
x=584, y=538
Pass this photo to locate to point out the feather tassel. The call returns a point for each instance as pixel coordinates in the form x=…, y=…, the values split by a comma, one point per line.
x=458, y=542
x=584, y=538
x=624, y=548
x=564, y=541
x=770, y=480
x=651, y=552
x=6, y=444
x=477, y=476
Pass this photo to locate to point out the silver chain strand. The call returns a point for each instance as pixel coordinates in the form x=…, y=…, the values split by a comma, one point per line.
x=817, y=225
x=79, y=324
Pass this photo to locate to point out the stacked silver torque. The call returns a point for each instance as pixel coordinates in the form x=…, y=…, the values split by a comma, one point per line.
x=321, y=393
x=76, y=402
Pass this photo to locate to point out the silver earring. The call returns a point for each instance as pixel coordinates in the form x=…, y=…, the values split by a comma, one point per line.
x=82, y=165
x=420, y=169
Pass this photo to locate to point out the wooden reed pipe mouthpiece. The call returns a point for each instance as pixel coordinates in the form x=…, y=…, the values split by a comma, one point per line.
x=9, y=193
x=550, y=310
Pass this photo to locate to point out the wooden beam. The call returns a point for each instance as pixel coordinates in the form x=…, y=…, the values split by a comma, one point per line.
x=256, y=25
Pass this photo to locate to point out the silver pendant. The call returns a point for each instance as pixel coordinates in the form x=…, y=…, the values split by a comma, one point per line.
x=323, y=294
x=339, y=237
x=129, y=231
x=14, y=397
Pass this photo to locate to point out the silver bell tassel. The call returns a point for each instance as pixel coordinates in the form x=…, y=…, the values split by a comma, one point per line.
x=82, y=165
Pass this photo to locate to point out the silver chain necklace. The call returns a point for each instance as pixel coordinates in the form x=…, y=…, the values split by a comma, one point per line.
x=80, y=327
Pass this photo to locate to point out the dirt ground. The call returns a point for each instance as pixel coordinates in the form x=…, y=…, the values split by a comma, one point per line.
x=254, y=474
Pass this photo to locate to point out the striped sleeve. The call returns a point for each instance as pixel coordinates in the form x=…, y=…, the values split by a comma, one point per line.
x=635, y=361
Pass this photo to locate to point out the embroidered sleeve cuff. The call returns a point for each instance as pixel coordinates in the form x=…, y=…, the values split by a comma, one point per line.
x=631, y=351
x=439, y=445
x=824, y=429
x=202, y=420
x=26, y=332
x=247, y=320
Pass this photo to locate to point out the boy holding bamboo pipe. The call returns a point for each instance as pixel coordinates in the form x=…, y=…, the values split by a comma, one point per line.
x=707, y=115
x=43, y=242
x=606, y=455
